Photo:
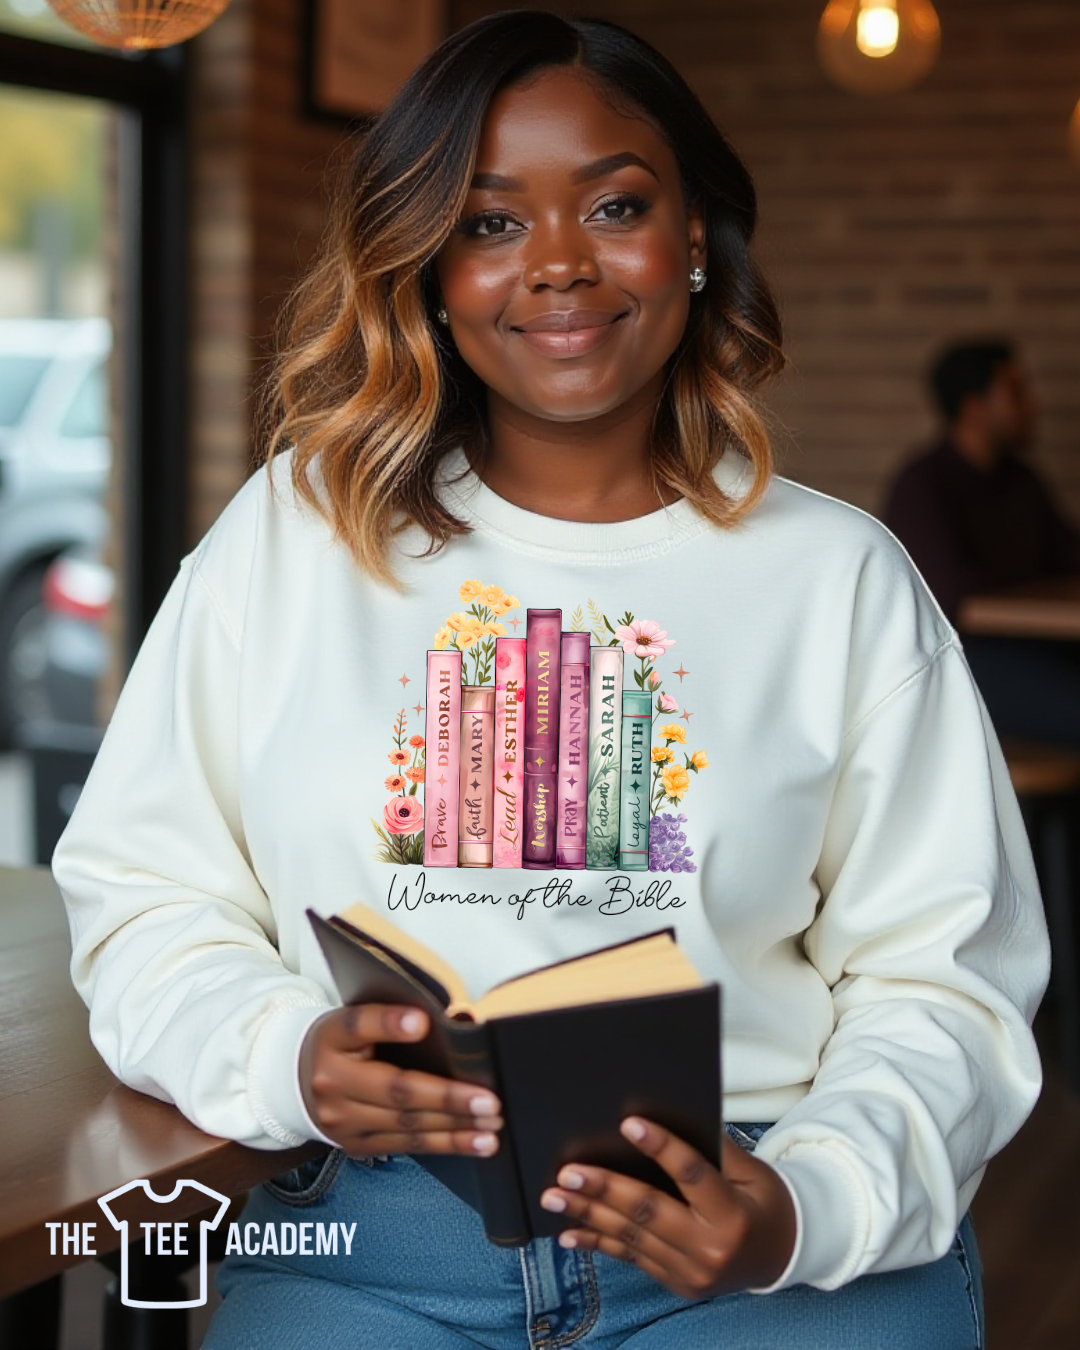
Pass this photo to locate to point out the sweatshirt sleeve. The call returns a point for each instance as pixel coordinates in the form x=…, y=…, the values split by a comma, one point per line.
x=931, y=936
x=173, y=937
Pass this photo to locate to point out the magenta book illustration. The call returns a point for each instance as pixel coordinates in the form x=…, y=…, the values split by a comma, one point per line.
x=519, y=763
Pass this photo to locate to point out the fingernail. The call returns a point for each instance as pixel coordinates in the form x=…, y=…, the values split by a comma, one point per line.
x=551, y=1200
x=412, y=1022
x=567, y=1240
x=484, y=1106
x=572, y=1181
x=634, y=1129
x=485, y=1143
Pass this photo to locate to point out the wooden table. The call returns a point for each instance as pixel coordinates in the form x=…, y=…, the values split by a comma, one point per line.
x=1039, y=609
x=69, y=1132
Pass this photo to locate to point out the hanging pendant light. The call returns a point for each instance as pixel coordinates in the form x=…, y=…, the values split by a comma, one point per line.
x=878, y=46
x=136, y=25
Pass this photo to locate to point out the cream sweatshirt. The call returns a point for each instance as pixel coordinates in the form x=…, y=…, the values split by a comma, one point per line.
x=845, y=856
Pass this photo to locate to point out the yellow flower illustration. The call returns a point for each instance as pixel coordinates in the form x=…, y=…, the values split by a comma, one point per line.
x=504, y=605
x=469, y=634
x=470, y=590
x=442, y=639
x=495, y=629
x=460, y=620
x=491, y=596
x=676, y=781
x=673, y=732
x=699, y=759
x=662, y=753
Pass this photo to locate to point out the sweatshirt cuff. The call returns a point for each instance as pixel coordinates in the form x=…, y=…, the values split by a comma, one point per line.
x=274, y=1075
x=831, y=1212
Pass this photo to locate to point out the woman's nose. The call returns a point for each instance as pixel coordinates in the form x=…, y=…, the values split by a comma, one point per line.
x=560, y=254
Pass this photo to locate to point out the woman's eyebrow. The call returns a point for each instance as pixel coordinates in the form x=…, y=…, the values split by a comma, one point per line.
x=599, y=167
x=497, y=182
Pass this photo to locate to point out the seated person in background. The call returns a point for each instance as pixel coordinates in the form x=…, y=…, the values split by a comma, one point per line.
x=971, y=513
x=975, y=517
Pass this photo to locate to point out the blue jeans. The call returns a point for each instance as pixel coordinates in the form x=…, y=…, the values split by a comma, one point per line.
x=422, y=1276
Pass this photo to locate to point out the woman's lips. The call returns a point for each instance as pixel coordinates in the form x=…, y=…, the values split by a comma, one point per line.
x=568, y=333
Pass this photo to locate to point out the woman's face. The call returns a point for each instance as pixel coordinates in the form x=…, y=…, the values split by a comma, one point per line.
x=567, y=280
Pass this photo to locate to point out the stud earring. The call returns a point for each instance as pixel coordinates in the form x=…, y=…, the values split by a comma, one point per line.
x=443, y=317
x=697, y=280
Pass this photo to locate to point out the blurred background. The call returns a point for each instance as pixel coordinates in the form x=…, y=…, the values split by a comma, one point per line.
x=156, y=208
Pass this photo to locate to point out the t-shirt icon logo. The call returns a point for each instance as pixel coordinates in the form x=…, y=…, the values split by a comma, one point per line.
x=175, y=1237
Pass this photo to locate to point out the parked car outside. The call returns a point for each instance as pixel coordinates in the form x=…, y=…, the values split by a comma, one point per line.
x=55, y=452
x=62, y=741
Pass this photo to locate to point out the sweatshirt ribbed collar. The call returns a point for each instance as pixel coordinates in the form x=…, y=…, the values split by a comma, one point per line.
x=607, y=544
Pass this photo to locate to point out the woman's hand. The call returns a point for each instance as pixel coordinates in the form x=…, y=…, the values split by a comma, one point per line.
x=736, y=1229
x=367, y=1106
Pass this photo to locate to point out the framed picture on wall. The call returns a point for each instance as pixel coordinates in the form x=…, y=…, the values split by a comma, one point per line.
x=360, y=52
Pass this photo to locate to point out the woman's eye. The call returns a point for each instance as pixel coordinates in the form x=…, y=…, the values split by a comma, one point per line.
x=619, y=210
x=488, y=225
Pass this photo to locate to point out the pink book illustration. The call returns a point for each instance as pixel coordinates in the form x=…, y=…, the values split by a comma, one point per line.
x=477, y=763
x=443, y=759
x=573, y=751
x=509, y=745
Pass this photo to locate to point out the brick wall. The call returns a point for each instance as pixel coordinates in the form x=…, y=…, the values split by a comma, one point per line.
x=258, y=167
x=888, y=225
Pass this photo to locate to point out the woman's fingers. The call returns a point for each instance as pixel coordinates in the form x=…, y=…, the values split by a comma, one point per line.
x=640, y=1221
x=635, y=1223
x=363, y=1024
x=379, y=1084
x=369, y=1106
x=477, y=1144
x=700, y=1183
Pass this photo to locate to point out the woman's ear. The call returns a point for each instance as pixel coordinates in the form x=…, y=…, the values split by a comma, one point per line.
x=695, y=223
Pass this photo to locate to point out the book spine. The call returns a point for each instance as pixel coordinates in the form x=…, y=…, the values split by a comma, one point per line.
x=573, y=750
x=543, y=652
x=501, y=1203
x=443, y=726
x=509, y=740
x=605, y=756
x=635, y=782
x=474, y=785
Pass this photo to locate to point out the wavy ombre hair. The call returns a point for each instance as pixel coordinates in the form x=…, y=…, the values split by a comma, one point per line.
x=369, y=392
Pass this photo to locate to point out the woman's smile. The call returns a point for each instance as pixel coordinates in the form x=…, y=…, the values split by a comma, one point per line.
x=563, y=334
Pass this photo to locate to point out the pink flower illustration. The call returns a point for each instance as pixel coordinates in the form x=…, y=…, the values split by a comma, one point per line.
x=644, y=638
x=654, y=679
x=403, y=815
x=503, y=659
x=668, y=704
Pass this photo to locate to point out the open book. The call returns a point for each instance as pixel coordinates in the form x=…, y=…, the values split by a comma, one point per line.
x=570, y=1049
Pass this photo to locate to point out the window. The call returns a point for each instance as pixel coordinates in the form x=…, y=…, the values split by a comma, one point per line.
x=92, y=380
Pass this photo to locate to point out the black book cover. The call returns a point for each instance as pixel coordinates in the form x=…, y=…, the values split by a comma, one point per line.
x=566, y=1078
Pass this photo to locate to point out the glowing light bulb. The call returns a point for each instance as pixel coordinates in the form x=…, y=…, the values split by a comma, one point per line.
x=877, y=30
x=878, y=46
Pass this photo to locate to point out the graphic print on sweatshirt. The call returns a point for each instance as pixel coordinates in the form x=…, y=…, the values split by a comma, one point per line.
x=525, y=747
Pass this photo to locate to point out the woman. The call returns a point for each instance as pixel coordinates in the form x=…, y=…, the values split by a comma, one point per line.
x=520, y=374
